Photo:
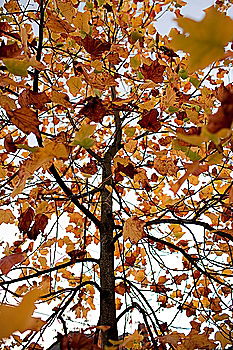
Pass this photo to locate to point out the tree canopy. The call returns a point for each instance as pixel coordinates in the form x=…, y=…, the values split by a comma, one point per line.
x=115, y=176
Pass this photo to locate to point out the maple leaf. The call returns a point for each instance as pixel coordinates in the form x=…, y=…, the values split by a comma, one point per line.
x=9, y=144
x=41, y=221
x=90, y=168
x=94, y=109
x=223, y=118
x=153, y=72
x=9, y=51
x=37, y=99
x=150, y=120
x=134, y=229
x=20, y=316
x=82, y=137
x=25, y=119
x=41, y=157
x=95, y=47
x=25, y=219
x=166, y=167
x=7, y=262
x=6, y=216
x=206, y=39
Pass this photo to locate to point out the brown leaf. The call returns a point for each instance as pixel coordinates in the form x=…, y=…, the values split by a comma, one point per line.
x=9, y=144
x=37, y=99
x=150, y=120
x=153, y=72
x=25, y=119
x=89, y=168
x=223, y=118
x=9, y=51
x=128, y=170
x=94, y=109
x=166, y=167
x=9, y=261
x=77, y=341
x=134, y=229
x=25, y=219
x=41, y=221
x=77, y=254
x=95, y=47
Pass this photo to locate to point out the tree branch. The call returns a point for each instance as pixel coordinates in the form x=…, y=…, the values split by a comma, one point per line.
x=43, y=272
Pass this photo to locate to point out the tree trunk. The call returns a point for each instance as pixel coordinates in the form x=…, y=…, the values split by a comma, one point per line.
x=107, y=278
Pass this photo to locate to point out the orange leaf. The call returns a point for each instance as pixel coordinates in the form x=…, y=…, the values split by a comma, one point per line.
x=19, y=318
x=6, y=216
x=133, y=229
x=25, y=119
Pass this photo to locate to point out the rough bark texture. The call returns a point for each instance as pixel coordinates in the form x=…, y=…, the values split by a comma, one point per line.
x=107, y=279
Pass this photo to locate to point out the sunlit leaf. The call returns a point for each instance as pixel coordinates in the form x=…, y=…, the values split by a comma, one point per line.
x=20, y=316
x=206, y=39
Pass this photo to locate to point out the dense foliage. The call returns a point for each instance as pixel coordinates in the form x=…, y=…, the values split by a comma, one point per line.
x=115, y=176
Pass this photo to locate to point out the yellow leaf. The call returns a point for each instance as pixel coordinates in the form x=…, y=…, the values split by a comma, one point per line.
x=6, y=216
x=81, y=21
x=41, y=157
x=206, y=40
x=61, y=99
x=7, y=102
x=133, y=229
x=67, y=9
x=135, y=61
x=74, y=84
x=19, y=318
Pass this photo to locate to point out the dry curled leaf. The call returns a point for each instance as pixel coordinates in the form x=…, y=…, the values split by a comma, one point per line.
x=134, y=229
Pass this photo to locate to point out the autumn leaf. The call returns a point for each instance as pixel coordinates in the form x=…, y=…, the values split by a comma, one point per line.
x=37, y=99
x=41, y=221
x=153, y=72
x=95, y=47
x=79, y=341
x=74, y=84
x=94, y=109
x=134, y=229
x=9, y=51
x=7, y=262
x=25, y=219
x=206, y=39
x=25, y=119
x=61, y=99
x=6, y=216
x=150, y=120
x=41, y=157
x=82, y=137
x=20, y=316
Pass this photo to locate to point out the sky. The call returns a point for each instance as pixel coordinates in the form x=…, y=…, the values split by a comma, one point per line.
x=193, y=9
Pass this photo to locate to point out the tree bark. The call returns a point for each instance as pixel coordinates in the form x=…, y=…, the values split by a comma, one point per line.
x=107, y=278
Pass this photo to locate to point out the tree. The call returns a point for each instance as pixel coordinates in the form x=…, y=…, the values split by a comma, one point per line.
x=116, y=169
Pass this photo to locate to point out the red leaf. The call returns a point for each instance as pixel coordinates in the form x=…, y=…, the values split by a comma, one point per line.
x=128, y=170
x=149, y=120
x=153, y=72
x=25, y=220
x=41, y=221
x=89, y=168
x=9, y=144
x=9, y=51
x=95, y=47
x=94, y=109
x=9, y=261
